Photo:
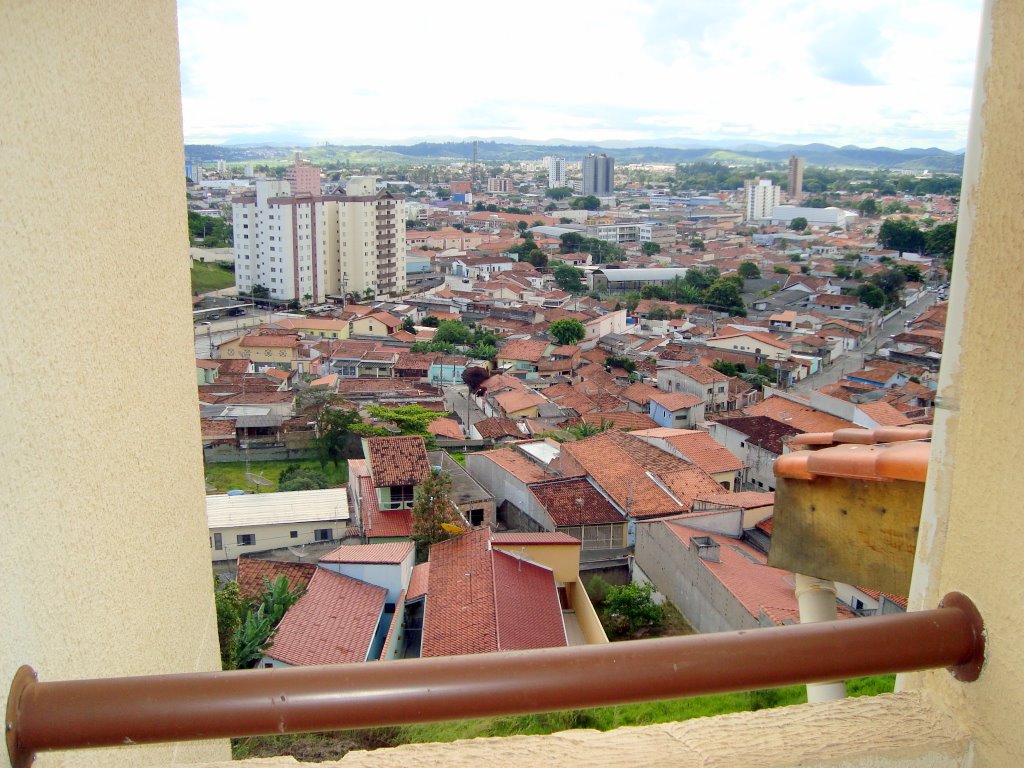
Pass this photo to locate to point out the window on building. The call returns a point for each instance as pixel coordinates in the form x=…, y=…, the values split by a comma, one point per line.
x=246, y=539
x=293, y=534
x=218, y=541
x=322, y=534
x=402, y=495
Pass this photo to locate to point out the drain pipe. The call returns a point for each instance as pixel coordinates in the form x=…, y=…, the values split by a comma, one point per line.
x=817, y=601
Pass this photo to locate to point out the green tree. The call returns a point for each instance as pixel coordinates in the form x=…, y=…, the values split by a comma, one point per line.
x=729, y=369
x=332, y=426
x=650, y=248
x=252, y=639
x=431, y=511
x=537, y=258
x=631, y=607
x=799, y=224
x=697, y=244
x=858, y=274
x=297, y=478
x=701, y=278
x=871, y=295
x=430, y=322
x=632, y=301
x=868, y=207
x=452, y=332
x=910, y=271
x=559, y=193
x=620, y=361
x=748, y=270
x=409, y=419
x=409, y=325
x=780, y=270
x=571, y=242
x=842, y=271
x=566, y=331
x=586, y=203
x=941, y=239
x=901, y=235
x=725, y=296
x=568, y=278
x=230, y=610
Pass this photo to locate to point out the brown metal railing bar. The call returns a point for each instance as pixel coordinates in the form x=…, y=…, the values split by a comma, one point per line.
x=136, y=710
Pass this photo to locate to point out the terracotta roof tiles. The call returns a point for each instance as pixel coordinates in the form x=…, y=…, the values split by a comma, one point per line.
x=252, y=572
x=334, y=622
x=387, y=553
x=574, y=501
x=397, y=460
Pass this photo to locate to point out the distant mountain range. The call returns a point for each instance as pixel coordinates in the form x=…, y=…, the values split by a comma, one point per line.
x=914, y=159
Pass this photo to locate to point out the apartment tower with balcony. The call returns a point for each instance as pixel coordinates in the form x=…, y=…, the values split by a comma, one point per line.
x=304, y=247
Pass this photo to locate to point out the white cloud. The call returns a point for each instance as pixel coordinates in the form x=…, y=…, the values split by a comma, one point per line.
x=878, y=73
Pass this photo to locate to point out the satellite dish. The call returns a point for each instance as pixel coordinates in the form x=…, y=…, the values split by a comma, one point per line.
x=452, y=528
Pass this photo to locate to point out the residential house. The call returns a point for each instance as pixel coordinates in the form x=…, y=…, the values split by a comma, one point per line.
x=698, y=447
x=640, y=479
x=387, y=565
x=337, y=620
x=516, y=404
x=765, y=346
x=703, y=381
x=269, y=349
x=522, y=354
x=498, y=429
x=757, y=441
x=716, y=580
x=378, y=324
x=506, y=474
x=321, y=327
x=243, y=523
x=396, y=465
x=472, y=501
x=574, y=506
x=676, y=409
x=488, y=592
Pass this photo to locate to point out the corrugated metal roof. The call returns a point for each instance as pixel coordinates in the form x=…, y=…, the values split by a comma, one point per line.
x=223, y=511
x=253, y=422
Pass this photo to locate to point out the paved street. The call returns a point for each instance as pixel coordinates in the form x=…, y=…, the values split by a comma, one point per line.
x=854, y=360
x=220, y=330
x=456, y=402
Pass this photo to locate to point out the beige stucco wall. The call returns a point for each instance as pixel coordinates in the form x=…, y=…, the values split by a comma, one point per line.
x=969, y=534
x=104, y=555
x=562, y=559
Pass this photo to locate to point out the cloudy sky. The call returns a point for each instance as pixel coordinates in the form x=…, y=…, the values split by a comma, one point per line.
x=871, y=72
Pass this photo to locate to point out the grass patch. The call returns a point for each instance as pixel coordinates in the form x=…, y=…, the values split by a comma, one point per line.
x=211, y=276
x=334, y=745
x=230, y=475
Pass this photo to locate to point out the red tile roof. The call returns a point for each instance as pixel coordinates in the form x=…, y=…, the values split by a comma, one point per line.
x=480, y=600
x=675, y=401
x=745, y=499
x=527, y=350
x=801, y=417
x=393, y=524
x=702, y=374
x=575, y=501
x=397, y=460
x=523, y=539
x=762, y=431
x=333, y=623
x=624, y=420
x=625, y=467
x=252, y=572
x=516, y=464
x=419, y=582
x=527, y=607
x=445, y=427
x=700, y=448
x=496, y=427
x=387, y=553
x=884, y=414
x=744, y=572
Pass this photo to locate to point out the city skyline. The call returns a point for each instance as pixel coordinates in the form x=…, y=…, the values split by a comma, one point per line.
x=790, y=72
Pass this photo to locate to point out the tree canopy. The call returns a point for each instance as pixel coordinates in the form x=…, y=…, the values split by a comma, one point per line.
x=901, y=235
x=568, y=278
x=432, y=510
x=585, y=203
x=559, y=193
x=941, y=239
x=566, y=331
x=799, y=224
x=650, y=248
x=748, y=270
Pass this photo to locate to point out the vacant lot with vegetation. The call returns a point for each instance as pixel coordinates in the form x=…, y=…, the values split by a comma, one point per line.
x=211, y=276
x=227, y=476
x=334, y=745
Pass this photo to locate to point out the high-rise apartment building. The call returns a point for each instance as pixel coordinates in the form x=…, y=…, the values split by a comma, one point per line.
x=795, y=187
x=303, y=178
x=501, y=184
x=556, y=171
x=598, y=175
x=760, y=197
x=304, y=247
